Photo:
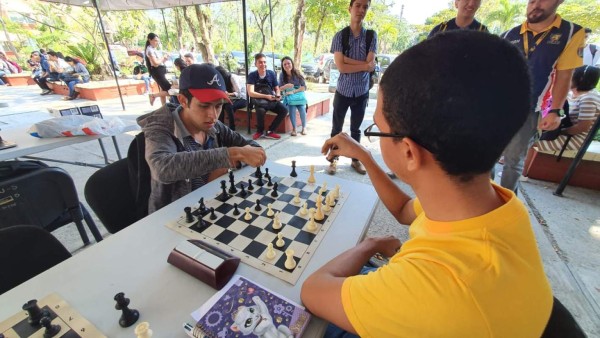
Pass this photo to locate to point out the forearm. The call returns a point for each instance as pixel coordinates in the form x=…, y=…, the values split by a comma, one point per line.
x=348, y=68
x=350, y=61
x=560, y=89
x=577, y=128
x=348, y=263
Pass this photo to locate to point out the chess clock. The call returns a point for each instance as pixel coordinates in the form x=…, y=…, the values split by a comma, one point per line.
x=209, y=264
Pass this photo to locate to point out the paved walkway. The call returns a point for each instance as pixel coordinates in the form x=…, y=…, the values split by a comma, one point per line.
x=567, y=229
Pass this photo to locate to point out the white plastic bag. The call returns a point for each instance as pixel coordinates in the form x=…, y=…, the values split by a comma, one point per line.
x=78, y=125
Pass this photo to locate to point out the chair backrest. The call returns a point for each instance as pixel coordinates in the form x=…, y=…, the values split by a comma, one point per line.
x=562, y=324
x=46, y=197
x=108, y=192
x=25, y=252
x=139, y=174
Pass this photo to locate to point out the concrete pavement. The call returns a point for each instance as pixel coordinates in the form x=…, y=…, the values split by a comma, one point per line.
x=567, y=228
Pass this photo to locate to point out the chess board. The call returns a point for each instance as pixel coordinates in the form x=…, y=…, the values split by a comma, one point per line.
x=248, y=239
x=72, y=324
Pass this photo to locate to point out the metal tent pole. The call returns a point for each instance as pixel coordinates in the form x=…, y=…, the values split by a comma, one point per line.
x=271, y=42
x=248, y=111
x=110, y=56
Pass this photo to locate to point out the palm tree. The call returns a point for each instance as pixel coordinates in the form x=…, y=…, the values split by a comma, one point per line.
x=509, y=14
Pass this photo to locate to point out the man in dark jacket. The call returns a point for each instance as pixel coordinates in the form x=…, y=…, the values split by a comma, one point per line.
x=186, y=145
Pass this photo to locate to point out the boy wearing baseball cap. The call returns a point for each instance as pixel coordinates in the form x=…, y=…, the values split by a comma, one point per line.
x=186, y=145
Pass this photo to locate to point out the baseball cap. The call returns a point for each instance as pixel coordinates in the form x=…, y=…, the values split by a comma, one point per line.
x=204, y=82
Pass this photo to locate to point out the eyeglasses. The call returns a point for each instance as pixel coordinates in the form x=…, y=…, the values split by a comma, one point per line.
x=372, y=135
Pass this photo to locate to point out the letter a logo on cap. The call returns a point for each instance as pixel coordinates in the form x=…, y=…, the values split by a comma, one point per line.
x=215, y=78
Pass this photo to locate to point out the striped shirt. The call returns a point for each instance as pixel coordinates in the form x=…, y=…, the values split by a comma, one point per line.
x=354, y=84
x=585, y=107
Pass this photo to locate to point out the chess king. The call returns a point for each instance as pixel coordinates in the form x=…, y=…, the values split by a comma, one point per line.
x=471, y=264
x=186, y=145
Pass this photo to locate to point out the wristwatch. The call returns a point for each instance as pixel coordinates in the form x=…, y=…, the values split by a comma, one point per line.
x=559, y=112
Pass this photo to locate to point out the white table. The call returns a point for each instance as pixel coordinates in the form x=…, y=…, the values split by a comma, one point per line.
x=134, y=261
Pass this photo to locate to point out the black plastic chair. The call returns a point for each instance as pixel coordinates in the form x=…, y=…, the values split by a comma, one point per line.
x=47, y=198
x=25, y=252
x=562, y=324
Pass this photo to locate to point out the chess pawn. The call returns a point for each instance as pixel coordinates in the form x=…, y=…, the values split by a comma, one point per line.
x=326, y=206
x=336, y=191
x=297, y=198
x=270, y=252
x=319, y=216
x=312, y=226
x=143, y=330
x=319, y=200
x=304, y=210
x=247, y=216
x=276, y=222
x=280, y=242
x=290, y=262
x=51, y=329
x=270, y=210
x=331, y=199
x=311, y=178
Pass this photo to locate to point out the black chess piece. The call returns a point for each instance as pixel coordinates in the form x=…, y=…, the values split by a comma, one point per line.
x=236, y=211
x=259, y=181
x=232, y=188
x=212, y=214
x=231, y=177
x=258, y=207
x=294, y=174
x=250, y=186
x=267, y=173
x=202, y=206
x=34, y=312
x=257, y=172
x=129, y=316
x=189, y=218
x=243, y=192
x=51, y=329
x=274, y=193
x=270, y=183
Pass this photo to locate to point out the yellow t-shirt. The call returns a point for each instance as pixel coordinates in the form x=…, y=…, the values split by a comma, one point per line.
x=480, y=277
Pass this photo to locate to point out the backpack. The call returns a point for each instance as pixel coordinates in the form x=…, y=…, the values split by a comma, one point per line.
x=346, y=48
x=10, y=169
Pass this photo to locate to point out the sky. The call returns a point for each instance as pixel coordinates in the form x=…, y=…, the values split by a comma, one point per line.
x=416, y=11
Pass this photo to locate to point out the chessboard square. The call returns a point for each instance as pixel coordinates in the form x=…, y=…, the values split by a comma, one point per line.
x=305, y=194
x=285, y=197
x=213, y=231
x=305, y=237
x=311, y=204
x=284, y=218
x=297, y=222
x=265, y=236
x=236, y=199
x=286, y=242
x=223, y=198
x=225, y=221
x=237, y=226
x=298, y=184
x=70, y=334
x=24, y=329
x=262, y=190
x=242, y=205
x=261, y=221
x=291, y=209
x=212, y=203
x=200, y=226
x=240, y=243
x=224, y=208
x=226, y=236
x=299, y=248
x=279, y=205
x=290, y=232
x=251, y=231
x=255, y=248
x=281, y=262
x=266, y=200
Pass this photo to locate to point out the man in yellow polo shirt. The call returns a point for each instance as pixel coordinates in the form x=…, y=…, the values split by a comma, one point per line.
x=471, y=267
x=553, y=48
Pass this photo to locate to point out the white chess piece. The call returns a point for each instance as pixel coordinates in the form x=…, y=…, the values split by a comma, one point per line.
x=319, y=199
x=304, y=210
x=142, y=330
x=270, y=252
x=247, y=216
x=297, y=198
x=280, y=242
x=326, y=206
x=331, y=199
x=336, y=191
x=276, y=222
x=323, y=188
x=290, y=262
x=270, y=210
x=311, y=226
x=319, y=216
x=311, y=178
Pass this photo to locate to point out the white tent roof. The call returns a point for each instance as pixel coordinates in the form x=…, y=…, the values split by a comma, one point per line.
x=125, y=5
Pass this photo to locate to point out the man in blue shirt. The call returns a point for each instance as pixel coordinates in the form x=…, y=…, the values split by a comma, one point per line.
x=45, y=72
x=263, y=89
x=465, y=18
x=354, y=65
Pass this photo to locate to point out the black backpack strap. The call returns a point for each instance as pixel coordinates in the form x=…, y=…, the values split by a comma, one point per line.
x=370, y=35
x=346, y=41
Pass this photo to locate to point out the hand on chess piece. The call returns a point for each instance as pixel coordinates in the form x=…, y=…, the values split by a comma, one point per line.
x=253, y=156
x=344, y=145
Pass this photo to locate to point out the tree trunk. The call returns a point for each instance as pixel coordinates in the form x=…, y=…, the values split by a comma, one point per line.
x=299, y=26
x=208, y=54
x=318, y=34
x=192, y=28
x=179, y=28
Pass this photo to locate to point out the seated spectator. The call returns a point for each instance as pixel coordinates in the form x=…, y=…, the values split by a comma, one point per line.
x=174, y=90
x=237, y=95
x=471, y=266
x=186, y=145
x=58, y=66
x=293, y=85
x=36, y=69
x=4, y=70
x=13, y=66
x=42, y=78
x=80, y=74
x=264, y=93
x=140, y=72
x=584, y=108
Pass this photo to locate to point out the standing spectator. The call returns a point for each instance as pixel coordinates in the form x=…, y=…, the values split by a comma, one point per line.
x=237, y=94
x=45, y=71
x=552, y=47
x=140, y=72
x=174, y=91
x=263, y=90
x=591, y=56
x=189, y=58
x=293, y=85
x=465, y=18
x=355, y=60
x=156, y=61
x=80, y=75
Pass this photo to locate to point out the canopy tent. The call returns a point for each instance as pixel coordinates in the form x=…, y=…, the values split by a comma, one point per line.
x=124, y=5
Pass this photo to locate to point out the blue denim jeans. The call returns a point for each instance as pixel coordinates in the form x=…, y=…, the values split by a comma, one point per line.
x=146, y=79
x=302, y=111
x=336, y=332
x=514, y=154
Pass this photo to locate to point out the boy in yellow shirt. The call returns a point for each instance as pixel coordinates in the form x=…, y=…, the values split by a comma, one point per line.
x=446, y=110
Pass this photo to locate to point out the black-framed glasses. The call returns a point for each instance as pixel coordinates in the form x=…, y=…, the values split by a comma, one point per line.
x=372, y=135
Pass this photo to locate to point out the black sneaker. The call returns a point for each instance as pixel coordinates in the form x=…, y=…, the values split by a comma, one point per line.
x=46, y=92
x=75, y=95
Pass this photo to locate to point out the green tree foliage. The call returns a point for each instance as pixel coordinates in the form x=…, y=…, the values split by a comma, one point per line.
x=88, y=52
x=502, y=15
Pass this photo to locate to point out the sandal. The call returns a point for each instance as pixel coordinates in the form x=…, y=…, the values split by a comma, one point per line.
x=303, y=132
x=293, y=133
